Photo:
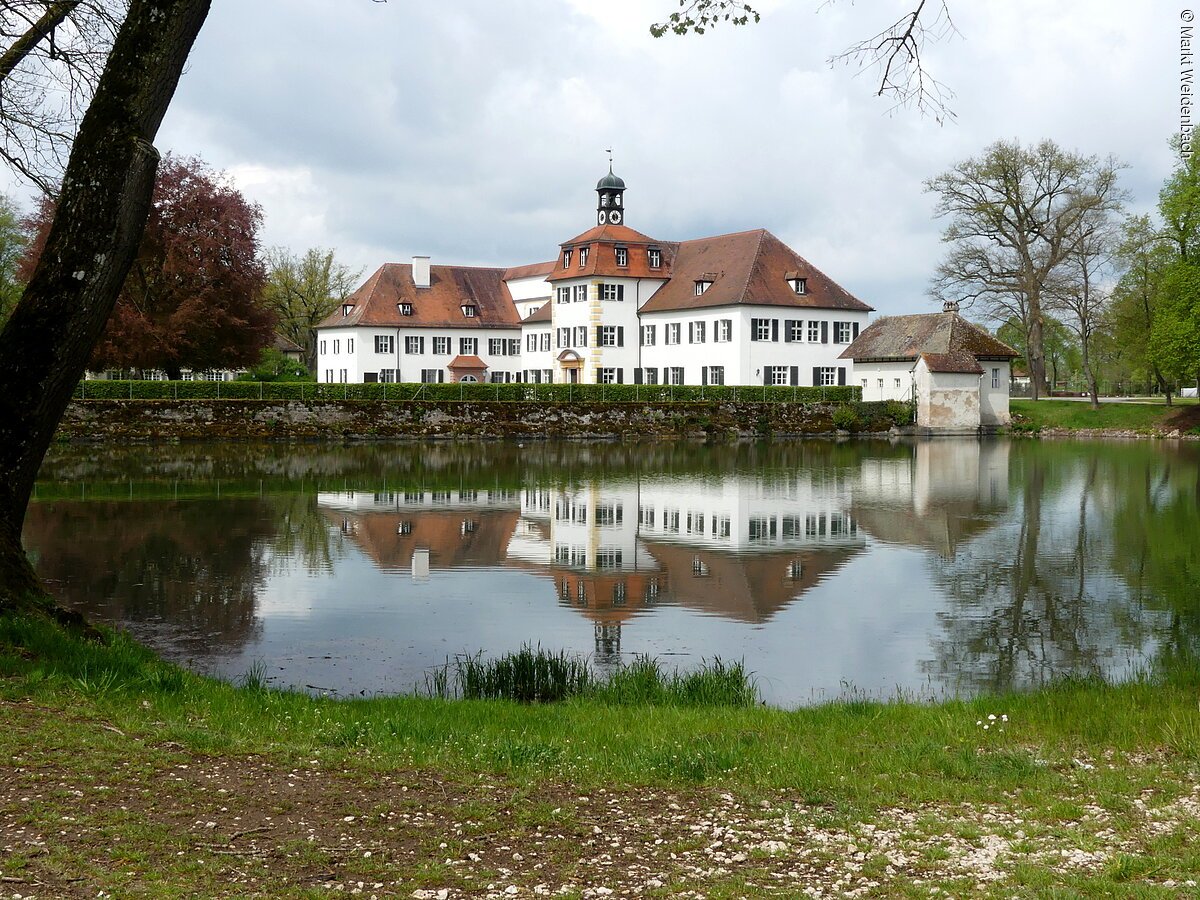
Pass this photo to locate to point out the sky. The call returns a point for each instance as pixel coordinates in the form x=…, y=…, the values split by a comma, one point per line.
x=474, y=131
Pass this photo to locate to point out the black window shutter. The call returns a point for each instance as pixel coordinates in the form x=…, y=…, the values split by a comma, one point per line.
x=621, y=375
x=704, y=374
x=795, y=373
x=620, y=335
x=637, y=376
x=787, y=330
x=620, y=292
x=766, y=374
x=816, y=376
x=842, y=375
x=774, y=329
x=441, y=376
x=754, y=329
x=854, y=329
x=824, y=332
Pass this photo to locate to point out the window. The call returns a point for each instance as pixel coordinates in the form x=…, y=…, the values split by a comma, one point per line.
x=342, y=377
x=433, y=376
x=795, y=330
x=441, y=346
x=347, y=308
x=496, y=346
x=828, y=375
x=720, y=526
x=897, y=384
x=405, y=308
x=612, y=292
x=468, y=346
x=514, y=346
x=695, y=523
x=714, y=374
x=531, y=342
x=841, y=332
x=609, y=376
x=646, y=516
x=864, y=384
x=799, y=285
x=673, y=331
x=566, y=259
x=764, y=329
x=610, y=514
x=337, y=347
x=701, y=287
x=388, y=376
x=564, y=295
x=695, y=332
x=469, y=310
x=654, y=257
x=675, y=374
x=548, y=375
x=329, y=376
x=414, y=345
x=648, y=335
x=622, y=256
x=349, y=345
x=790, y=526
x=776, y=375
x=583, y=255
x=724, y=330
x=671, y=520
x=608, y=558
x=385, y=343
x=322, y=348
x=995, y=378
x=650, y=376
x=581, y=336
x=579, y=293
x=612, y=336
x=762, y=528
x=564, y=337
x=814, y=332
x=880, y=385
x=544, y=344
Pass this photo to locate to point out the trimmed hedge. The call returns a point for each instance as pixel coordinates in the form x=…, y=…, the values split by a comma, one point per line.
x=512, y=393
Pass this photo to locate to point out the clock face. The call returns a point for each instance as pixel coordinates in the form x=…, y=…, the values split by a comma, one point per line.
x=615, y=217
x=601, y=217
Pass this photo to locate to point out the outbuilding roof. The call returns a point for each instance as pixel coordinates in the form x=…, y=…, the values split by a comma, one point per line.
x=378, y=301
x=898, y=338
x=958, y=362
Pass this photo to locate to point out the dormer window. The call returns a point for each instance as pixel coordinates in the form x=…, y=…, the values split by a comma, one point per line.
x=654, y=256
x=405, y=308
x=470, y=310
x=622, y=256
x=583, y=255
x=799, y=285
x=347, y=308
x=702, y=286
x=566, y=259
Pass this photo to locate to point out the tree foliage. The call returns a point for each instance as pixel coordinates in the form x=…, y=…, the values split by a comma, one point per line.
x=13, y=241
x=1015, y=215
x=192, y=299
x=302, y=290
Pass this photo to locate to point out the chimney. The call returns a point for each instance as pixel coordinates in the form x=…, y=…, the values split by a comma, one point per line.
x=950, y=306
x=420, y=271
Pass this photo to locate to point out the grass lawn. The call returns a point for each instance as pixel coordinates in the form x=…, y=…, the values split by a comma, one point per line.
x=128, y=776
x=1142, y=417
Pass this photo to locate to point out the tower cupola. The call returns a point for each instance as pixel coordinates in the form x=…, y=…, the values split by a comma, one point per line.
x=610, y=205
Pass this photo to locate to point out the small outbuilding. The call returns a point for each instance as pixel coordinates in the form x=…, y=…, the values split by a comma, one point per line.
x=955, y=371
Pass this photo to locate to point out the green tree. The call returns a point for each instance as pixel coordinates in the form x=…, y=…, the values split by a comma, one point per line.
x=1014, y=215
x=1143, y=257
x=13, y=240
x=304, y=289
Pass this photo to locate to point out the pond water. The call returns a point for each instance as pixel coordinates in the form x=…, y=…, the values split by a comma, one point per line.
x=935, y=568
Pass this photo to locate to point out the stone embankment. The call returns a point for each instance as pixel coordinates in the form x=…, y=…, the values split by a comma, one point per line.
x=158, y=420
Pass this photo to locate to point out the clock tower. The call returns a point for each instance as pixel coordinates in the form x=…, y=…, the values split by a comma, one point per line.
x=610, y=206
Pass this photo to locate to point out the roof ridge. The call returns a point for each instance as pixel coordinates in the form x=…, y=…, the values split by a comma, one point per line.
x=754, y=260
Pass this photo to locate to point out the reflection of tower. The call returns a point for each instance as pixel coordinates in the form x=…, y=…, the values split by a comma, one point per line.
x=608, y=643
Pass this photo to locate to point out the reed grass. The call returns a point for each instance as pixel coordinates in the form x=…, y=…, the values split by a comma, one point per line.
x=535, y=675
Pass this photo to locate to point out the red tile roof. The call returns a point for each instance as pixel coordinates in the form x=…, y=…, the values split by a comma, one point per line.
x=439, y=305
x=907, y=337
x=530, y=271
x=602, y=243
x=542, y=314
x=747, y=267
x=467, y=362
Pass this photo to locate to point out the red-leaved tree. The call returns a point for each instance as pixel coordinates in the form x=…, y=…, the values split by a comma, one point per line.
x=193, y=297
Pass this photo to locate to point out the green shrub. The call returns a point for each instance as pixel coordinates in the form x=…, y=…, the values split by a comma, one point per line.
x=845, y=418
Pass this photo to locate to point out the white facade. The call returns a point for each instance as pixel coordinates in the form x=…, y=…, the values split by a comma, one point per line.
x=994, y=392
x=885, y=380
x=371, y=354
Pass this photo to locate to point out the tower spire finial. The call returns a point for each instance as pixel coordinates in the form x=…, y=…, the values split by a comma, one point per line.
x=610, y=160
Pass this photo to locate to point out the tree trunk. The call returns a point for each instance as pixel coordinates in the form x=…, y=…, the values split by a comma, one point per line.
x=102, y=211
x=1093, y=386
x=1036, y=356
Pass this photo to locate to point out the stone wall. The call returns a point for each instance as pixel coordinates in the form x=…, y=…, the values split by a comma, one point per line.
x=167, y=420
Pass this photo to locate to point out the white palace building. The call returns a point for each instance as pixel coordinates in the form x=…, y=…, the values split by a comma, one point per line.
x=615, y=306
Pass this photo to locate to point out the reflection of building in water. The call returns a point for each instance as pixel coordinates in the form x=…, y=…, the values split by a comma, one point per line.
x=740, y=548
x=947, y=491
